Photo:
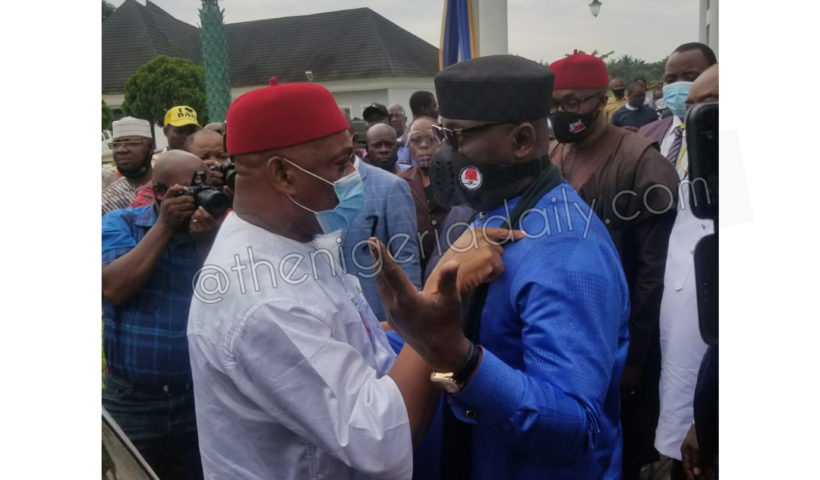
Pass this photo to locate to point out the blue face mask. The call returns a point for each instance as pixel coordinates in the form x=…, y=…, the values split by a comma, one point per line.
x=350, y=192
x=674, y=95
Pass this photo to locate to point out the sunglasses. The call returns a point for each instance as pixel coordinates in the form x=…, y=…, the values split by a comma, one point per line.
x=452, y=136
x=417, y=138
x=128, y=145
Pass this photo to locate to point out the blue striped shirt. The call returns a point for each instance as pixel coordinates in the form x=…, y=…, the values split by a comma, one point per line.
x=144, y=339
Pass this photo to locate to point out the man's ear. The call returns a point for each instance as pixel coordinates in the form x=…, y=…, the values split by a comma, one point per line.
x=159, y=191
x=279, y=174
x=524, y=138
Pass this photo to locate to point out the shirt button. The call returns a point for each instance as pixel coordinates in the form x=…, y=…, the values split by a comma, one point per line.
x=470, y=413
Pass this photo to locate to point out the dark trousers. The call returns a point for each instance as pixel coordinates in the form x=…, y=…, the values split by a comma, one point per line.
x=161, y=425
x=639, y=416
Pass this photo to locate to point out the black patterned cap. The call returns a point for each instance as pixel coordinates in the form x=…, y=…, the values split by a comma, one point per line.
x=500, y=88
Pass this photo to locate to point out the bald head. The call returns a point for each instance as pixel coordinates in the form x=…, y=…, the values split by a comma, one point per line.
x=397, y=118
x=382, y=146
x=176, y=167
x=216, y=127
x=704, y=88
x=207, y=145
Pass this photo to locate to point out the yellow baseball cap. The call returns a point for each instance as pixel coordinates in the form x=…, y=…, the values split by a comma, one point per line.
x=180, y=116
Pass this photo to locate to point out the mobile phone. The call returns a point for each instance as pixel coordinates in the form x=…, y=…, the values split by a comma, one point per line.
x=702, y=143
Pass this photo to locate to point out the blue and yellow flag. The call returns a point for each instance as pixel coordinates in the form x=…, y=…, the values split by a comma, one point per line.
x=458, y=33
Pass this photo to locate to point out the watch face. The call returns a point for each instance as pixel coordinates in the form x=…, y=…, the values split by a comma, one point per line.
x=445, y=382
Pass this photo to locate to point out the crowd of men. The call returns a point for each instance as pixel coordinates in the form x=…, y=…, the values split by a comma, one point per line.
x=499, y=287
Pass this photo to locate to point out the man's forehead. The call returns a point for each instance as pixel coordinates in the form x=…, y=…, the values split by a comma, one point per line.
x=130, y=138
x=381, y=130
x=207, y=138
x=396, y=109
x=689, y=60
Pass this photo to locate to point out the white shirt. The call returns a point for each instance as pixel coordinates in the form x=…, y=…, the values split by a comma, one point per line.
x=289, y=365
x=681, y=344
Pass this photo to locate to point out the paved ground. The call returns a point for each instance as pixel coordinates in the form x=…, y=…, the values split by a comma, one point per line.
x=658, y=470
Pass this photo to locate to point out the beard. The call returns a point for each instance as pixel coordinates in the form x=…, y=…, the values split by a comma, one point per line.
x=137, y=173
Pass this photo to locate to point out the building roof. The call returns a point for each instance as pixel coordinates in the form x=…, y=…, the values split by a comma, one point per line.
x=346, y=44
x=135, y=34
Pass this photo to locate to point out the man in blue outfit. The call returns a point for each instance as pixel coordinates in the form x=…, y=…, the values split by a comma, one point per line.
x=149, y=258
x=537, y=395
x=389, y=214
x=635, y=114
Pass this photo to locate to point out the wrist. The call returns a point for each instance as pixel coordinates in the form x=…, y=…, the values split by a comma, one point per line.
x=453, y=381
x=455, y=356
x=163, y=228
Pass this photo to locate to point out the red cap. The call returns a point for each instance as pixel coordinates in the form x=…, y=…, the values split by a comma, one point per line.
x=580, y=71
x=281, y=115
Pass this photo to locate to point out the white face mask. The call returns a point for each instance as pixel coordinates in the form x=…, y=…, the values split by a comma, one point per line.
x=350, y=194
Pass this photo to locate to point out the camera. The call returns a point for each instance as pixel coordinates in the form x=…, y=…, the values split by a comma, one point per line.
x=228, y=171
x=210, y=198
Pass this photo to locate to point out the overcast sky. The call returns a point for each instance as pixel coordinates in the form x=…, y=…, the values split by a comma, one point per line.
x=540, y=30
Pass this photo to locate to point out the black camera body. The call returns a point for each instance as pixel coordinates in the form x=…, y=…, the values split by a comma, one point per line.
x=210, y=198
x=228, y=171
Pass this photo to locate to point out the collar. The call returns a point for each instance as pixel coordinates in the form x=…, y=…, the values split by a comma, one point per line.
x=362, y=167
x=146, y=216
x=676, y=123
x=630, y=107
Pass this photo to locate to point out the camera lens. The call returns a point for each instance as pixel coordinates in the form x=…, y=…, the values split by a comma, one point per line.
x=214, y=201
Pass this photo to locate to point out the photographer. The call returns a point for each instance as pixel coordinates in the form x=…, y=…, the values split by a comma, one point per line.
x=149, y=259
x=209, y=145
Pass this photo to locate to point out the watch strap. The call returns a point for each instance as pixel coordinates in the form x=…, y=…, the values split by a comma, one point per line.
x=463, y=374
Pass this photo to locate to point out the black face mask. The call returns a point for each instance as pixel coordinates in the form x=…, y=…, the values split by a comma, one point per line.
x=619, y=92
x=572, y=127
x=138, y=172
x=637, y=101
x=458, y=179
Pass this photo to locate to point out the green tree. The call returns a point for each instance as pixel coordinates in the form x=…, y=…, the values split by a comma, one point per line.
x=594, y=53
x=163, y=83
x=107, y=116
x=107, y=9
x=630, y=68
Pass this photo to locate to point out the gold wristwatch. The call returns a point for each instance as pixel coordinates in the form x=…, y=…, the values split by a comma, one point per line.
x=453, y=382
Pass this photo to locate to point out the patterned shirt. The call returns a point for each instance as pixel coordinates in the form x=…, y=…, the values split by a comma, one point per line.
x=118, y=195
x=144, y=338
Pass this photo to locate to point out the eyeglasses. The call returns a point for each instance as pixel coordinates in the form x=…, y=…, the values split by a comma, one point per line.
x=129, y=145
x=571, y=105
x=398, y=115
x=429, y=137
x=452, y=136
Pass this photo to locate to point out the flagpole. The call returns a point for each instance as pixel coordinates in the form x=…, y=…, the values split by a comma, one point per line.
x=491, y=19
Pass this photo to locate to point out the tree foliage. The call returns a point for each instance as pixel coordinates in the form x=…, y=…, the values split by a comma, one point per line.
x=630, y=68
x=107, y=116
x=163, y=83
x=107, y=9
x=594, y=53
